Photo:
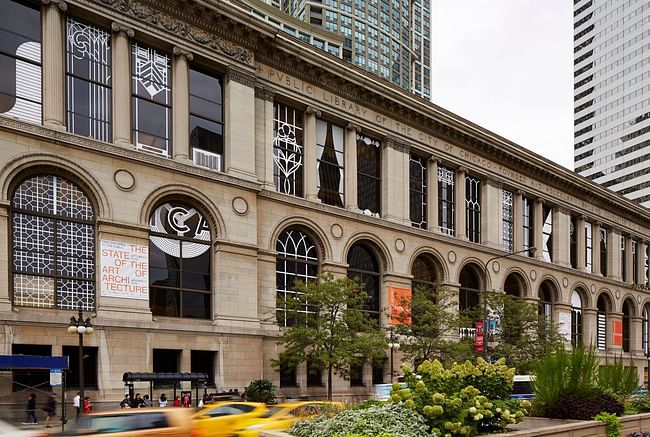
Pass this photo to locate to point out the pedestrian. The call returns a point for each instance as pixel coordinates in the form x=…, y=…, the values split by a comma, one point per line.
x=147, y=401
x=177, y=401
x=76, y=404
x=50, y=409
x=163, y=400
x=31, y=410
x=87, y=406
x=137, y=401
x=186, y=400
x=126, y=402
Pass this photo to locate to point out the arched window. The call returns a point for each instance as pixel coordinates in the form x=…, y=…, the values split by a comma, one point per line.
x=470, y=289
x=628, y=311
x=601, y=323
x=53, y=245
x=179, y=262
x=364, y=267
x=546, y=300
x=424, y=273
x=576, y=319
x=297, y=260
x=514, y=285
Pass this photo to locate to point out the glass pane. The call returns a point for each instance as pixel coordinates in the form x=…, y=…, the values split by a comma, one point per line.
x=196, y=305
x=165, y=302
x=206, y=135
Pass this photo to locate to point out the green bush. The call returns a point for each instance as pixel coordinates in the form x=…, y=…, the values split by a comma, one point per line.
x=464, y=400
x=366, y=435
x=376, y=421
x=260, y=390
x=618, y=380
x=613, y=425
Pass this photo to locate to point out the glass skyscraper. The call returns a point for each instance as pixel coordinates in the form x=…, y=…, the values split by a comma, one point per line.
x=612, y=95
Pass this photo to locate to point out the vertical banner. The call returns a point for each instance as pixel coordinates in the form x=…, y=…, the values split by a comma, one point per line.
x=479, y=338
x=617, y=330
x=125, y=270
x=564, y=324
x=397, y=297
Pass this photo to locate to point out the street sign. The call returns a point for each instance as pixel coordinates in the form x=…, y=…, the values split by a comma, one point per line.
x=55, y=377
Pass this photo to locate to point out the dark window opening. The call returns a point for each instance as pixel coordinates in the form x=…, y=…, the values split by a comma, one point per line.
x=166, y=360
x=203, y=362
x=369, y=174
x=27, y=379
x=206, y=118
x=90, y=366
x=364, y=267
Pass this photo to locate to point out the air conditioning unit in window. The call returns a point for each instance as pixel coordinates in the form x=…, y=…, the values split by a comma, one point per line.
x=207, y=159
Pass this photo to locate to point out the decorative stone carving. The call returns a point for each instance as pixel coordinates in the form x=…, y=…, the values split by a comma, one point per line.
x=240, y=206
x=400, y=245
x=124, y=180
x=264, y=93
x=178, y=51
x=395, y=144
x=312, y=110
x=241, y=76
x=336, y=230
x=118, y=27
x=60, y=3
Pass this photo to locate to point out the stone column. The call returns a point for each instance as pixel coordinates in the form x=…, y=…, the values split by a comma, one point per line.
x=581, y=244
x=628, y=260
x=561, y=238
x=264, y=139
x=432, y=186
x=181, y=108
x=394, y=181
x=351, y=201
x=614, y=255
x=518, y=221
x=459, y=200
x=309, y=156
x=121, y=48
x=53, y=57
x=5, y=291
x=538, y=231
x=589, y=328
x=595, y=248
x=239, y=108
x=491, y=213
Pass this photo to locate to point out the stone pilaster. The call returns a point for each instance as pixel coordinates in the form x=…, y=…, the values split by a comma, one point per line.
x=239, y=108
x=432, y=186
x=5, y=294
x=538, y=231
x=310, y=153
x=121, y=49
x=351, y=201
x=491, y=213
x=264, y=138
x=561, y=242
x=589, y=316
x=614, y=255
x=53, y=55
x=394, y=181
x=181, y=109
x=461, y=209
x=518, y=221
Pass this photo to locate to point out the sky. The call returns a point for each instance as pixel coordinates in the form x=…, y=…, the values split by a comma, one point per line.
x=507, y=65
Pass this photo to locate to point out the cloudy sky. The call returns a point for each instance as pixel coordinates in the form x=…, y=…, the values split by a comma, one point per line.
x=507, y=65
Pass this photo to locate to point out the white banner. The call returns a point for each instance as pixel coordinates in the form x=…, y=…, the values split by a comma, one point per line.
x=125, y=270
x=564, y=324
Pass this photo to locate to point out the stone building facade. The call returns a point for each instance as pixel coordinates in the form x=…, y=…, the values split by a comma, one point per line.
x=173, y=167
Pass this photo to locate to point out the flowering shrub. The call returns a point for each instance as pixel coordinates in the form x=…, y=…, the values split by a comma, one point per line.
x=463, y=400
x=386, y=420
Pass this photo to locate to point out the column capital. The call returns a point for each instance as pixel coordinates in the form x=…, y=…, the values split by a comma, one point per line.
x=461, y=169
x=179, y=51
x=264, y=93
x=119, y=27
x=434, y=159
x=395, y=144
x=352, y=126
x=240, y=76
x=60, y=3
x=312, y=110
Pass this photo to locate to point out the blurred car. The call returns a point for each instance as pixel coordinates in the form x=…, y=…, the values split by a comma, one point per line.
x=223, y=418
x=283, y=416
x=8, y=430
x=136, y=422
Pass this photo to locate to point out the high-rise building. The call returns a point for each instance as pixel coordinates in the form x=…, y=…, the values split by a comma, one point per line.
x=612, y=95
x=390, y=38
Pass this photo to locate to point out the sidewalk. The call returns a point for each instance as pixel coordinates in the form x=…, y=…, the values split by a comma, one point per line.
x=40, y=427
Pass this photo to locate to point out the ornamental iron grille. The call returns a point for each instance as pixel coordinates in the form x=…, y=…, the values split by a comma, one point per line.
x=179, y=262
x=296, y=261
x=646, y=265
x=588, y=248
x=623, y=260
x=547, y=233
x=20, y=61
x=88, y=80
x=418, y=191
x=329, y=165
x=446, y=205
x=364, y=268
x=635, y=263
x=469, y=290
x=473, y=209
x=288, y=152
x=645, y=331
x=53, y=245
x=601, y=324
x=369, y=175
x=507, y=208
x=573, y=242
x=576, y=319
x=528, y=225
x=151, y=100
x=603, y=252
x=206, y=119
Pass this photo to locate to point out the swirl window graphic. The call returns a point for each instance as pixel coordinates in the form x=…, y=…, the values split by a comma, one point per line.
x=179, y=221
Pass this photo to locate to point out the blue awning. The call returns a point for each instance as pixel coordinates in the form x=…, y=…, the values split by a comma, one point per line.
x=10, y=362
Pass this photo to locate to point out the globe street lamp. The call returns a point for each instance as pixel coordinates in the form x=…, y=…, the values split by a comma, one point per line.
x=79, y=325
x=393, y=344
x=530, y=250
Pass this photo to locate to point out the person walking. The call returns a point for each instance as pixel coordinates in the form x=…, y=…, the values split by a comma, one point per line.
x=50, y=409
x=76, y=404
x=31, y=410
x=87, y=406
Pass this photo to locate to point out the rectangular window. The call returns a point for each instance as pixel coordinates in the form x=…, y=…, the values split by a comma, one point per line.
x=288, y=150
x=508, y=214
x=473, y=209
x=151, y=100
x=356, y=375
x=623, y=260
x=330, y=163
x=166, y=360
x=206, y=119
x=547, y=231
x=603, y=251
x=20, y=61
x=90, y=366
x=88, y=80
x=314, y=375
x=418, y=191
x=203, y=362
x=635, y=263
x=573, y=243
x=287, y=375
x=25, y=378
x=528, y=225
x=369, y=174
x=446, y=208
x=588, y=248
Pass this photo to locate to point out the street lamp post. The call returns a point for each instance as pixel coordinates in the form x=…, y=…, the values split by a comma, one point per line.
x=393, y=344
x=530, y=250
x=79, y=325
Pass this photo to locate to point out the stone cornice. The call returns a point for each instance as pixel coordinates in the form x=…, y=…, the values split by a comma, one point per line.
x=264, y=93
x=396, y=144
x=240, y=76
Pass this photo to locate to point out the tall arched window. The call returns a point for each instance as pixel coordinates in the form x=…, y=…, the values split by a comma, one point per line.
x=576, y=319
x=297, y=260
x=470, y=288
x=514, y=285
x=179, y=262
x=601, y=323
x=364, y=267
x=546, y=300
x=628, y=312
x=53, y=245
x=424, y=273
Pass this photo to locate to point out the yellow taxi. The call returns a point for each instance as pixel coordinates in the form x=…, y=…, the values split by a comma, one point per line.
x=136, y=422
x=283, y=416
x=221, y=419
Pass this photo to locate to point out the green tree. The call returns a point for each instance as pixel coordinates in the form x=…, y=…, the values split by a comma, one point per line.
x=334, y=333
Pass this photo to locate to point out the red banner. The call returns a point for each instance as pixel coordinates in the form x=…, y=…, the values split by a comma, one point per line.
x=397, y=297
x=479, y=338
x=617, y=330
